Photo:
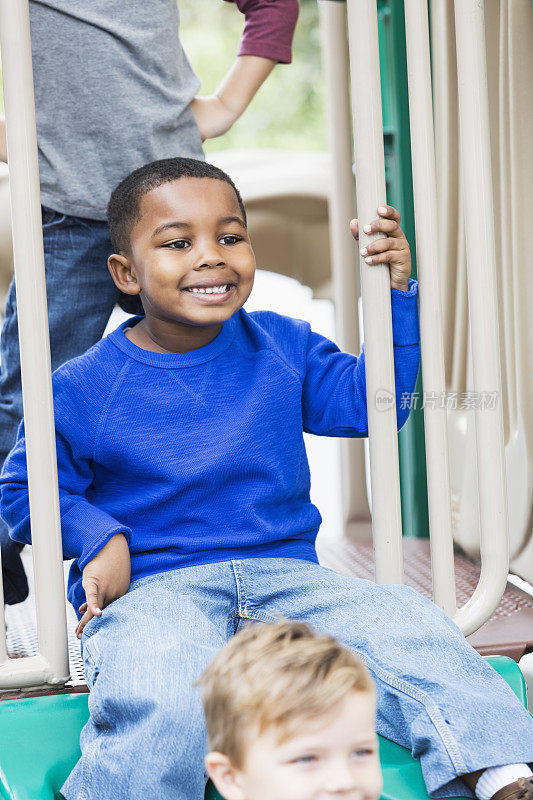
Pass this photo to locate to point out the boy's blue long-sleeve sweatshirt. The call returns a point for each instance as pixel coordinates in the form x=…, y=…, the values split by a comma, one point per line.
x=199, y=457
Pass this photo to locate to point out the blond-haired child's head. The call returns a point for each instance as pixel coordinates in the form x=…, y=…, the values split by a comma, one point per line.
x=290, y=716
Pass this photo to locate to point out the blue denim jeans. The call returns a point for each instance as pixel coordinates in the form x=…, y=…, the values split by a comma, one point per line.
x=146, y=735
x=81, y=296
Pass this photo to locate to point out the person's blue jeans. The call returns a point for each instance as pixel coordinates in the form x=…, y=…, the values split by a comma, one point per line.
x=81, y=296
x=146, y=733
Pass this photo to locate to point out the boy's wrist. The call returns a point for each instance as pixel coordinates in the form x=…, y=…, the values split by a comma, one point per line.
x=402, y=287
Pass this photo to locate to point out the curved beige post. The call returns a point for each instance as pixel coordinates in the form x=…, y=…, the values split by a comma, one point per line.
x=371, y=193
x=50, y=665
x=509, y=52
x=344, y=256
x=483, y=308
x=432, y=338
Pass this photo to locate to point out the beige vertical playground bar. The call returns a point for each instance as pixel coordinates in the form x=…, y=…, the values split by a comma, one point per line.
x=375, y=284
x=369, y=159
x=344, y=256
x=50, y=665
x=479, y=216
x=432, y=340
x=483, y=307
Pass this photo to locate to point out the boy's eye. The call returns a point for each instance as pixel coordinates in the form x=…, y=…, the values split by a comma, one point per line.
x=230, y=239
x=178, y=244
x=181, y=244
x=364, y=752
x=309, y=758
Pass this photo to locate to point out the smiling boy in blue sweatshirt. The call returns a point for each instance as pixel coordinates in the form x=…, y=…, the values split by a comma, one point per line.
x=184, y=493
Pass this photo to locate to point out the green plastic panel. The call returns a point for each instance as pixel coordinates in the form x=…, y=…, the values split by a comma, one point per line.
x=39, y=746
x=398, y=175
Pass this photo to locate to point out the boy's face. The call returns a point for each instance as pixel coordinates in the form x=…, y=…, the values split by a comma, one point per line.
x=190, y=235
x=334, y=757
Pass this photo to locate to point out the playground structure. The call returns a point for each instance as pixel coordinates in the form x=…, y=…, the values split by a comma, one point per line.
x=289, y=192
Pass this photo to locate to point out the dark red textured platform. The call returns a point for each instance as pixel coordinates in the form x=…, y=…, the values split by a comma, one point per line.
x=508, y=632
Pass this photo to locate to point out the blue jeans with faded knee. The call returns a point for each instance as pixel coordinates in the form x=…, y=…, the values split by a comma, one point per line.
x=146, y=734
x=81, y=296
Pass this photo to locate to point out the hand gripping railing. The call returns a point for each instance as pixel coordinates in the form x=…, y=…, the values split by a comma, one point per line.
x=50, y=665
x=375, y=288
x=369, y=160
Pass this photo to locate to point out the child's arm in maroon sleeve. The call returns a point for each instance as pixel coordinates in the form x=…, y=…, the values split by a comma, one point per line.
x=266, y=40
x=268, y=28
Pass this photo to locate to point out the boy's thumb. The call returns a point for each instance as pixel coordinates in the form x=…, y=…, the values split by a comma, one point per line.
x=92, y=596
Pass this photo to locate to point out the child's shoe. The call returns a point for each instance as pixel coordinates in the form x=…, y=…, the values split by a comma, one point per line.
x=521, y=789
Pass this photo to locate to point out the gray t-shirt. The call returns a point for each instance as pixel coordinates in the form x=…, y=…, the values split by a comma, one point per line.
x=113, y=88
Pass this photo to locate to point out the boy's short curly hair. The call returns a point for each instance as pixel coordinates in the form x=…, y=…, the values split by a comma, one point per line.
x=123, y=209
x=275, y=675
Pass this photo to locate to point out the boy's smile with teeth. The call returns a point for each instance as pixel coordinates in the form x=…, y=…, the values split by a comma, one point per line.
x=190, y=261
x=217, y=289
x=209, y=289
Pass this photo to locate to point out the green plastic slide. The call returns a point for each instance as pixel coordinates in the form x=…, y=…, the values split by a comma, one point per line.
x=39, y=745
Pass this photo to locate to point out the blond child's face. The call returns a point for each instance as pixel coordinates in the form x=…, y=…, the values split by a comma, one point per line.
x=334, y=757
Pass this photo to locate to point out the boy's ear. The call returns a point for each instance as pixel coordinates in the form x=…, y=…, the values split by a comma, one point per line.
x=225, y=776
x=121, y=270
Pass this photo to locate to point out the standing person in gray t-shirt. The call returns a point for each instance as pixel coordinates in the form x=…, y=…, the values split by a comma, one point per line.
x=113, y=91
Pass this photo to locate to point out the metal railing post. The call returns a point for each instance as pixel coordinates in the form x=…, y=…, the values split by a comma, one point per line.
x=379, y=361
x=474, y=132
x=432, y=340
x=344, y=255
x=50, y=665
